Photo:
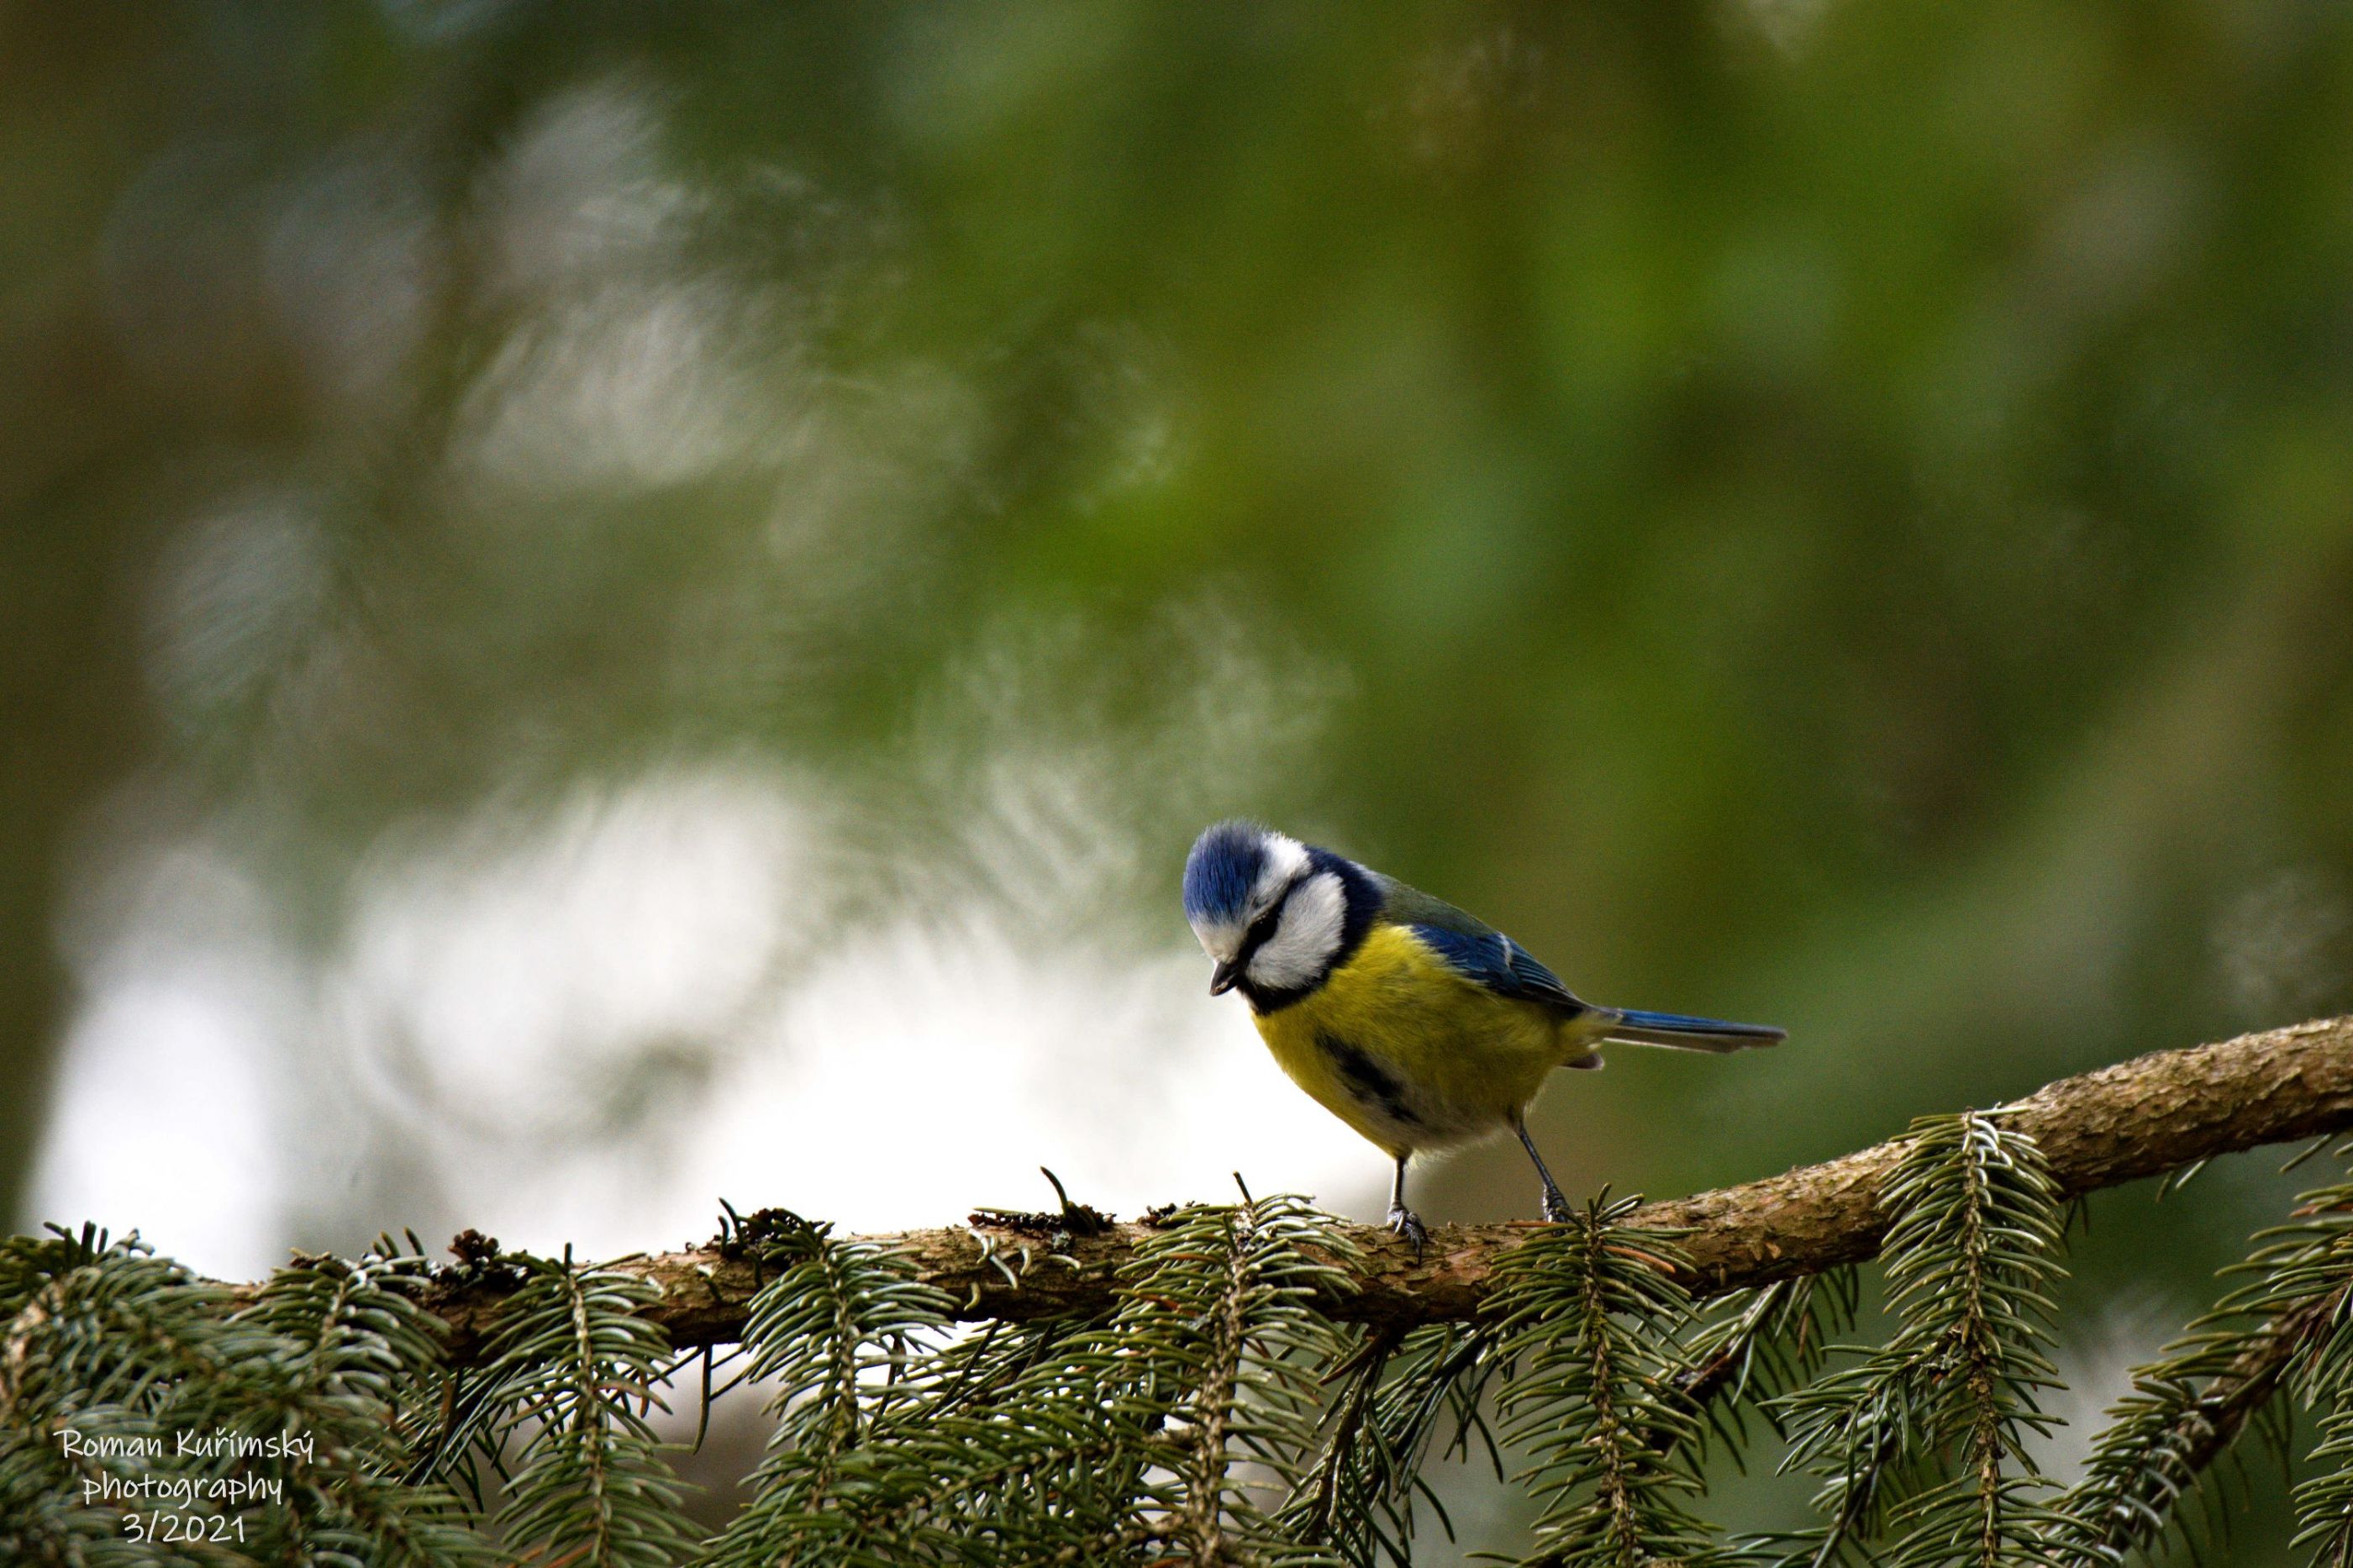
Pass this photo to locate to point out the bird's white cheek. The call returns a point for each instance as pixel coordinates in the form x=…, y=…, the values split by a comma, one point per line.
x=1305, y=938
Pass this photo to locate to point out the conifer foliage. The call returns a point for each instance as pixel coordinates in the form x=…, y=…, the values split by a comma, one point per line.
x=1212, y=1415
x=1922, y=1442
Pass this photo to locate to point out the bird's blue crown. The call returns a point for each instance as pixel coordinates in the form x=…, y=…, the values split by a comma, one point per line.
x=1223, y=867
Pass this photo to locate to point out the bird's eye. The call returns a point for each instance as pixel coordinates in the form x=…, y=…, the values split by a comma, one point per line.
x=1263, y=927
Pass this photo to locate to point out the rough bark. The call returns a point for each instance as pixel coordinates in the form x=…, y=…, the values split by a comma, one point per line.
x=2154, y=1114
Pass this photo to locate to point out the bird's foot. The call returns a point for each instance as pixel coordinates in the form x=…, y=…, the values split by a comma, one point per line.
x=1403, y=1221
x=1556, y=1207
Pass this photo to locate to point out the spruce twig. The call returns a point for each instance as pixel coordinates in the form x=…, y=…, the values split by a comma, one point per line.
x=1977, y=1220
x=1590, y=1314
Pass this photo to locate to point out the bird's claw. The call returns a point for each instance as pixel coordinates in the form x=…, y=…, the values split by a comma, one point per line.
x=1403, y=1221
x=1556, y=1207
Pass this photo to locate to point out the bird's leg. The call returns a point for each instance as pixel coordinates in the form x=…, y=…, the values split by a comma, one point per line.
x=1556, y=1207
x=1401, y=1218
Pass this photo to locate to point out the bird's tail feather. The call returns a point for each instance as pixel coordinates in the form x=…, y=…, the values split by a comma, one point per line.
x=1682, y=1034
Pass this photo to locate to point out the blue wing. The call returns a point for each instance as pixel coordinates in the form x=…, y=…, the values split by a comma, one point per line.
x=1494, y=961
x=1485, y=956
x=1474, y=948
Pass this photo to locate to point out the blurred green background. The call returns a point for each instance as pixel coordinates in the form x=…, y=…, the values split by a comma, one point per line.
x=1836, y=513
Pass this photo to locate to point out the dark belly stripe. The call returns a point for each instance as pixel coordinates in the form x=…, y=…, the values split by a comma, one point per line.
x=1368, y=1079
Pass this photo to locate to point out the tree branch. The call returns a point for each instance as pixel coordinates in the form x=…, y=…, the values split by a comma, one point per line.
x=2153, y=1114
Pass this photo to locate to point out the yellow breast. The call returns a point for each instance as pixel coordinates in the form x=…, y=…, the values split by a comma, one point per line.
x=1412, y=1055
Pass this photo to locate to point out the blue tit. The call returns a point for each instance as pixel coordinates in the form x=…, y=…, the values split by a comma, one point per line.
x=1420, y=1025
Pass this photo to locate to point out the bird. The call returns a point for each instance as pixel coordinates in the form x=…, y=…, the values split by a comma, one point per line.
x=1419, y=1025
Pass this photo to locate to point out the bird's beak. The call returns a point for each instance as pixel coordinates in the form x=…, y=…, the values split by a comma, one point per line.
x=1223, y=978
